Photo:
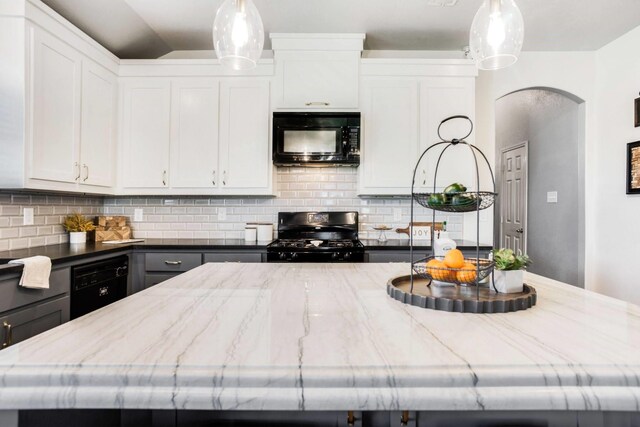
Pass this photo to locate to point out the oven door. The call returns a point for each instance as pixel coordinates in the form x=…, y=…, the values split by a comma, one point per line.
x=315, y=256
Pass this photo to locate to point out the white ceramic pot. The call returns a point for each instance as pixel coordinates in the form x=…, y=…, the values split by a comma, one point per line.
x=76, y=237
x=509, y=282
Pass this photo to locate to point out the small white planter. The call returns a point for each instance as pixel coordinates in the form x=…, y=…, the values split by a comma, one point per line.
x=76, y=237
x=509, y=282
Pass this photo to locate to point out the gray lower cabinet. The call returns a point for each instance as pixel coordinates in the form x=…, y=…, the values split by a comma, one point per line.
x=404, y=255
x=233, y=257
x=27, y=312
x=33, y=320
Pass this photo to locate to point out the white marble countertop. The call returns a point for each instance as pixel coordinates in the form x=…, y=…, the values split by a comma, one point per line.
x=327, y=337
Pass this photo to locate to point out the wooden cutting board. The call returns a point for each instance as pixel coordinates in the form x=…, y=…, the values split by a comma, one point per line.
x=438, y=227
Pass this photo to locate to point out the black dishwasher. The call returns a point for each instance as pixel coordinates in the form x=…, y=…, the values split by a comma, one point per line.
x=98, y=284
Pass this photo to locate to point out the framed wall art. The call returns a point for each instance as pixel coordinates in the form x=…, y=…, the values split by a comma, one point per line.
x=637, y=111
x=633, y=167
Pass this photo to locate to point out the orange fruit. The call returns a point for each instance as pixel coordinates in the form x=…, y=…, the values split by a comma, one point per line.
x=454, y=259
x=437, y=270
x=467, y=274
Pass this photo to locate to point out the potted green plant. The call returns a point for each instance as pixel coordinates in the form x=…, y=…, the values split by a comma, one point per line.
x=509, y=270
x=77, y=225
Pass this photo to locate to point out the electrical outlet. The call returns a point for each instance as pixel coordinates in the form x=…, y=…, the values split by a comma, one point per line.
x=222, y=214
x=552, y=197
x=137, y=215
x=27, y=216
x=397, y=214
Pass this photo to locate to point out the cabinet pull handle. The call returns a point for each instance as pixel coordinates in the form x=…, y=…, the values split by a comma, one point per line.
x=424, y=177
x=86, y=170
x=77, y=166
x=8, y=334
x=213, y=180
x=308, y=104
x=173, y=262
x=224, y=177
x=164, y=178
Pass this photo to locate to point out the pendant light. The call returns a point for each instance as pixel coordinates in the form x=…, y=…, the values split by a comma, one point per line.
x=238, y=34
x=496, y=35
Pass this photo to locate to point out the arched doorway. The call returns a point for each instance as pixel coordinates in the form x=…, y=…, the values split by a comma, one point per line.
x=540, y=175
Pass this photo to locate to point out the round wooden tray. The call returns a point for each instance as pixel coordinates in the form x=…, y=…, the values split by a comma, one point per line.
x=460, y=299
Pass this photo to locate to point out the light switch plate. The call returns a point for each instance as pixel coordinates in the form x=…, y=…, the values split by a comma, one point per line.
x=552, y=197
x=137, y=214
x=222, y=214
x=397, y=214
x=27, y=218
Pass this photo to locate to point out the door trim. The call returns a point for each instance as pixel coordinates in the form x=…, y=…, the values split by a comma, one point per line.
x=525, y=145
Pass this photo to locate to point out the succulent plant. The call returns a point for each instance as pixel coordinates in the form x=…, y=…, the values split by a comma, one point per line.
x=506, y=259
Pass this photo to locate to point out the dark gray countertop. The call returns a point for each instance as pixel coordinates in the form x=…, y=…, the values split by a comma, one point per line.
x=65, y=252
x=403, y=244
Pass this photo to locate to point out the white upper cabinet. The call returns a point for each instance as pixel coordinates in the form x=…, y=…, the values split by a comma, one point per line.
x=98, y=130
x=317, y=71
x=194, y=134
x=318, y=80
x=53, y=151
x=245, y=154
x=390, y=137
x=440, y=98
x=146, y=124
x=403, y=101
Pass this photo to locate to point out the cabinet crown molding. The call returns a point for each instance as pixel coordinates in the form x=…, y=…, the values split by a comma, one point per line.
x=317, y=41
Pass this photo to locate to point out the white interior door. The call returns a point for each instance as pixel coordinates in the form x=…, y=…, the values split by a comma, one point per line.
x=513, y=198
x=97, y=141
x=194, y=134
x=55, y=131
x=245, y=155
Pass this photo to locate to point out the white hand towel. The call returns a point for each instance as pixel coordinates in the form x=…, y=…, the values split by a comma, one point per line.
x=36, y=271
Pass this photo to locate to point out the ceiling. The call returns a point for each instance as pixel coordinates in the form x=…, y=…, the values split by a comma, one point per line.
x=152, y=28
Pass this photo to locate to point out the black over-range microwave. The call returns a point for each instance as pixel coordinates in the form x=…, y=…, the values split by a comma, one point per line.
x=316, y=139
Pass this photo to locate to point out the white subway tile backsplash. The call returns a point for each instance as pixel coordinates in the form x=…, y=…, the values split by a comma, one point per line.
x=332, y=189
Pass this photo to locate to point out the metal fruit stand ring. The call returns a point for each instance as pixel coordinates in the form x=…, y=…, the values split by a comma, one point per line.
x=464, y=292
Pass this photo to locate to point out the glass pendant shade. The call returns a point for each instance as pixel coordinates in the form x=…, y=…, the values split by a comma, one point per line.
x=238, y=34
x=496, y=35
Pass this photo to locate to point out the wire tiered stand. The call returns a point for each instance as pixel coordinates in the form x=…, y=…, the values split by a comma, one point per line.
x=465, y=290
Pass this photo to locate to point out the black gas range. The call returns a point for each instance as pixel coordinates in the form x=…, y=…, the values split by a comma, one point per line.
x=316, y=237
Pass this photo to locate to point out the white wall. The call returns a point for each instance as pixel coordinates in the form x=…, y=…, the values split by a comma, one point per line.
x=607, y=82
x=615, y=268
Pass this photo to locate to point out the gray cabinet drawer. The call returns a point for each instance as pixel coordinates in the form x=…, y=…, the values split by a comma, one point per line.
x=154, y=279
x=13, y=296
x=392, y=256
x=31, y=321
x=233, y=257
x=172, y=261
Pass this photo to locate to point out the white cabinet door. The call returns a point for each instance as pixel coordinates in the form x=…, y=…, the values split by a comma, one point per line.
x=326, y=80
x=97, y=141
x=194, y=134
x=53, y=152
x=245, y=155
x=390, y=135
x=440, y=98
x=145, y=133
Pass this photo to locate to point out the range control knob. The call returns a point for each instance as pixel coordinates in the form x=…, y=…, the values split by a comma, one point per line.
x=283, y=255
x=334, y=256
x=347, y=256
x=294, y=256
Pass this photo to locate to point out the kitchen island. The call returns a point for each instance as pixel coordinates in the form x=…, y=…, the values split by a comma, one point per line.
x=326, y=337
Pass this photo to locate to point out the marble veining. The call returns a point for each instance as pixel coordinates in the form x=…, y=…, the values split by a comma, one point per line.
x=327, y=337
